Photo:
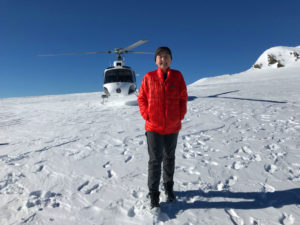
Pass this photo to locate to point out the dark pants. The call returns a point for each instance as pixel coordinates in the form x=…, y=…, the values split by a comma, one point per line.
x=161, y=149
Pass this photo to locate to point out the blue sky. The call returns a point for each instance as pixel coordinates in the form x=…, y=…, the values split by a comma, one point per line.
x=207, y=38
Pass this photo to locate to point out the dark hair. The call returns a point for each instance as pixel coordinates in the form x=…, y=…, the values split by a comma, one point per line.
x=162, y=49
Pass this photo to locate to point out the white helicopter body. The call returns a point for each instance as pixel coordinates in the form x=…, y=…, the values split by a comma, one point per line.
x=119, y=80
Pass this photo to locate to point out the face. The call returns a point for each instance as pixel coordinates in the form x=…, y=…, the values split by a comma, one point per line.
x=163, y=60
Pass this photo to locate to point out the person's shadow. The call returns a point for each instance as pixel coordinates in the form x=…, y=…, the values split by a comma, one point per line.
x=243, y=200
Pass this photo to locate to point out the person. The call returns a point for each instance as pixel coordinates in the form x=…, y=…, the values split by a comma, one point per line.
x=162, y=102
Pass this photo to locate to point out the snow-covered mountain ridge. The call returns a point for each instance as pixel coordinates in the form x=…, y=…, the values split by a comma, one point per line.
x=277, y=57
x=68, y=159
x=272, y=64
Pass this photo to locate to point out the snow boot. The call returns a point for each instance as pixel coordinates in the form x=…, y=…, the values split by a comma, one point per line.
x=154, y=199
x=169, y=191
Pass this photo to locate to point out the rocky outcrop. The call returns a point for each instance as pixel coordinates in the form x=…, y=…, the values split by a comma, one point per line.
x=296, y=55
x=257, y=66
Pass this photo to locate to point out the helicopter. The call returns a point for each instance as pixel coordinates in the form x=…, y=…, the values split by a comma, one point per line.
x=117, y=79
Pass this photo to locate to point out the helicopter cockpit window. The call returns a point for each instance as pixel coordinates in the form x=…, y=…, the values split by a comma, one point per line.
x=118, y=75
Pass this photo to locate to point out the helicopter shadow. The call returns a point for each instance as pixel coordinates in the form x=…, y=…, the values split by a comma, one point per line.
x=243, y=200
x=1, y=144
x=191, y=98
x=135, y=103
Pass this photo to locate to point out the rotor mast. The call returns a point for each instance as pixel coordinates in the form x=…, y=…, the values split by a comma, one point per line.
x=120, y=51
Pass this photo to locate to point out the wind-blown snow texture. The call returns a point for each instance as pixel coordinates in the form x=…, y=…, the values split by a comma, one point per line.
x=71, y=160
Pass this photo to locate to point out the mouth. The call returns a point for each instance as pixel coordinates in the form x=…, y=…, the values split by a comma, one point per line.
x=163, y=64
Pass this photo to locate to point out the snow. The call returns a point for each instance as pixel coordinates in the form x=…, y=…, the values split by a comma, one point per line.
x=69, y=159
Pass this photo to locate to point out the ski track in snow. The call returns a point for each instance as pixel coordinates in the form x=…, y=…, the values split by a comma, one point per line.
x=71, y=160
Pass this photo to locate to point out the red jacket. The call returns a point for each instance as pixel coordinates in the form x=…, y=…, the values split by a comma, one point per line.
x=163, y=103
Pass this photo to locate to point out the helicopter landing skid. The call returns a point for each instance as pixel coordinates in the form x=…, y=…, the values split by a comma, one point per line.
x=104, y=98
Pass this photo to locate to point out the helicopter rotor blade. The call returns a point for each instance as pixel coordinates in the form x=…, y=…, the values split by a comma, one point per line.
x=117, y=51
x=76, y=53
x=140, y=52
x=136, y=44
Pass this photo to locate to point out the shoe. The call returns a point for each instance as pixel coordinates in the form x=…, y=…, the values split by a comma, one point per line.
x=169, y=191
x=154, y=199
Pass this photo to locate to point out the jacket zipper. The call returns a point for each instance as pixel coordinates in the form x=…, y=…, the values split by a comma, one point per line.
x=165, y=113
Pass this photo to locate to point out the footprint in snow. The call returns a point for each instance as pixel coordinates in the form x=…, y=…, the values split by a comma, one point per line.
x=237, y=165
x=137, y=194
x=40, y=200
x=254, y=221
x=187, y=146
x=111, y=174
x=227, y=184
x=272, y=147
x=128, y=159
x=124, y=152
x=131, y=212
x=92, y=189
x=193, y=171
x=9, y=185
x=246, y=150
x=287, y=219
x=268, y=188
x=105, y=165
x=234, y=217
x=209, y=162
x=41, y=167
x=84, y=187
x=257, y=157
x=294, y=175
x=270, y=168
